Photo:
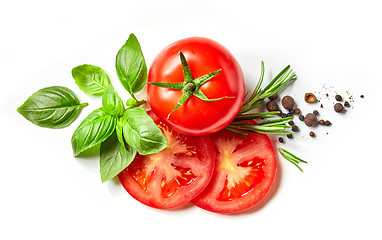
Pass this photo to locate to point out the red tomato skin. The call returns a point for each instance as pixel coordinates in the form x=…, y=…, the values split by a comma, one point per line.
x=152, y=197
x=196, y=117
x=208, y=199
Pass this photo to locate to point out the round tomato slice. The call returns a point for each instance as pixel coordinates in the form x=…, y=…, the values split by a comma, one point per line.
x=196, y=117
x=244, y=172
x=173, y=176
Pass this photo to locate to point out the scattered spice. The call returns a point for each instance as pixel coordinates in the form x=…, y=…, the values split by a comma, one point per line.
x=312, y=134
x=291, y=123
x=274, y=97
x=310, y=97
x=315, y=112
x=328, y=123
x=289, y=135
x=347, y=104
x=321, y=122
x=297, y=111
x=301, y=117
x=287, y=102
x=338, y=107
x=295, y=128
x=338, y=97
x=310, y=119
x=281, y=140
x=272, y=106
x=362, y=96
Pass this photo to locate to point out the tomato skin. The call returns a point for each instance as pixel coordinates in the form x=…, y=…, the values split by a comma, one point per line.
x=249, y=171
x=197, y=117
x=173, y=176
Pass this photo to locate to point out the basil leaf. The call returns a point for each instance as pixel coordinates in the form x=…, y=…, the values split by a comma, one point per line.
x=91, y=79
x=93, y=130
x=51, y=107
x=131, y=66
x=114, y=157
x=140, y=132
x=112, y=103
x=119, y=129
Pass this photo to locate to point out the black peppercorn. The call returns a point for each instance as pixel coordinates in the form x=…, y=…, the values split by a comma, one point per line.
x=281, y=140
x=284, y=115
x=328, y=123
x=315, y=112
x=274, y=97
x=362, y=96
x=272, y=106
x=291, y=123
x=310, y=119
x=287, y=102
x=338, y=97
x=347, y=104
x=297, y=111
x=338, y=107
x=295, y=128
x=301, y=117
x=289, y=135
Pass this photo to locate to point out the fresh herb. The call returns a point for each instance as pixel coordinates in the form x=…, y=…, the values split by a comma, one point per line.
x=276, y=126
x=114, y=157
x=112, y=103
x=131, y=66
x=292, y=158
x=91, y=79
x=93, y=130
x=140, y=132
x=52, y=107
x=268, y=127
x=120, y=132
x=258, y=95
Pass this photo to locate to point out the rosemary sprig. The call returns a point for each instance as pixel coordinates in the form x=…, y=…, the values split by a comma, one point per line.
x=291, y=158
x=258, y=95
x=277, y=83
x=276, y=126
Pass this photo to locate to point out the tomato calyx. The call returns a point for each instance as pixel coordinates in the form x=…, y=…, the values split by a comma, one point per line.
x=189, y=86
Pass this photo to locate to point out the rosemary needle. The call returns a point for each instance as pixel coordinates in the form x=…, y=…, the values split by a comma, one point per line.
x=291, y=158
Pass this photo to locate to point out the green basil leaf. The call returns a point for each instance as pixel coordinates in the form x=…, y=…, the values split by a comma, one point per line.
x=112, y=103
x=114, y=157
x=93, y=130
x=140, y=132
x=91, y=79
x=51, y=107
x=119, y=129
x=131, y=66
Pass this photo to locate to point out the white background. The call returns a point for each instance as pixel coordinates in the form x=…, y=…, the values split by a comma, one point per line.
x=334, y=47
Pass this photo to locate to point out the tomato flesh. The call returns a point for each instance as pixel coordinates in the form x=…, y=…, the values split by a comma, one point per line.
x=197, y=117
x=245, y=170
x=173, y=176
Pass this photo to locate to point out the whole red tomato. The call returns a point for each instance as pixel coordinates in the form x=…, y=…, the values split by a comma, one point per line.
x=195, y=116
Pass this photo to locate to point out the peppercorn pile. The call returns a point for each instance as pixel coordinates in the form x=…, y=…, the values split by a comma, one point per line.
x=310, y=119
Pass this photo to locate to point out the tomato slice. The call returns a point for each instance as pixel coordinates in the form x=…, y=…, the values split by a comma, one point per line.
x=244, y=172
x=173, y=176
